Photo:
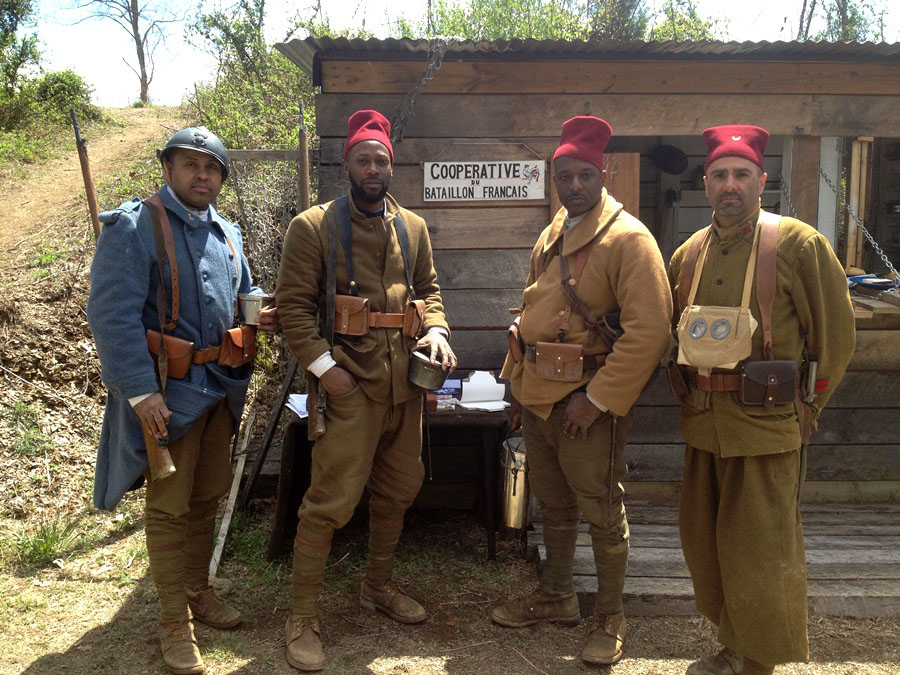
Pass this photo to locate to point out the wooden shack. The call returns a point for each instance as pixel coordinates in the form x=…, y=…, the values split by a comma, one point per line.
x=828, y=106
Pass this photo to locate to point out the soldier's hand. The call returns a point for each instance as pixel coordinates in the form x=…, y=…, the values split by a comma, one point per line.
x=337, y=381
x=154, y=414
x=267, y=320
x=580, y=415
x=440, y=350
x=515, y=414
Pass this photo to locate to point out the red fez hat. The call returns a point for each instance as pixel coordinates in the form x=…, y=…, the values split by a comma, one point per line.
x=368, y=125
x=585, y=138
x=736, y=140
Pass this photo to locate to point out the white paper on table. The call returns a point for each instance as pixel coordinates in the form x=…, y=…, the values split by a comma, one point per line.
x=482, y=392
x=297, y=403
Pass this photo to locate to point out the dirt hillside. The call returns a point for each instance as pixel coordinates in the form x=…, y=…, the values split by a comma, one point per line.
x=27, y=205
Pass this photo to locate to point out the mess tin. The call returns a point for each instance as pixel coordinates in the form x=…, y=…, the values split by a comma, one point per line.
x=250, y=306
x=423, y=373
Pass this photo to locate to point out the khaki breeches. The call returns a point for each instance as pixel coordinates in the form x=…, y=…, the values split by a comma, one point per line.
x=569, y=476
x=743, y=543
x=180, y=510
x=366, y=445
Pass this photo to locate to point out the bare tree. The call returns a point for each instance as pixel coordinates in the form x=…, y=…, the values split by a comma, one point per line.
x=806, y=14
x=144, y=22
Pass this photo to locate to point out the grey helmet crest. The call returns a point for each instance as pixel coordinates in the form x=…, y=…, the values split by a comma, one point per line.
x=200, y=139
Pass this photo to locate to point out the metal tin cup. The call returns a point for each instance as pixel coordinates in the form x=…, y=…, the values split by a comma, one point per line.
x=515, y=484
x=250, y=305
x=423, y=373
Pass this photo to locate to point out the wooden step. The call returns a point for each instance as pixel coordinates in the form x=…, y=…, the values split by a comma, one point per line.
x=852, y=553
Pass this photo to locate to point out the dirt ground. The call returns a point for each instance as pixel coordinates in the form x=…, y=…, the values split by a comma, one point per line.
x=93, y=609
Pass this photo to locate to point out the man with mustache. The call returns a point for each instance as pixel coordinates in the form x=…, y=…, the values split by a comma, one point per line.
x=373, y=421
x=574, y=384
x=198, y=257
x=739, y=515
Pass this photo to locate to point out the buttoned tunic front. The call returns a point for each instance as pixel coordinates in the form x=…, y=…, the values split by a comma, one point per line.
x=379, y=360
x=122, y=306
x=812, y=312
x=623, y=272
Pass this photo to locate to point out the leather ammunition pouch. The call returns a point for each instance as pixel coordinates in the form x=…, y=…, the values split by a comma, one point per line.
x=351, y=315
x=238, y=346
x=180, y=352
x=413, y=318
x=769, y=383
x=559, y=361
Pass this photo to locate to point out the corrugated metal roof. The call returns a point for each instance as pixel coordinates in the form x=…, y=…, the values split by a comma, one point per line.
x=304, y=52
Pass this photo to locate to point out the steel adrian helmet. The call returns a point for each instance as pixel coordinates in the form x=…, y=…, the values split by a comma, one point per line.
x=200, y=139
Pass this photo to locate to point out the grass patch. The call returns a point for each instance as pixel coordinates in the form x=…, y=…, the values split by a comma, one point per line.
x=29, y=439
x=39, y=546
x=244, y=554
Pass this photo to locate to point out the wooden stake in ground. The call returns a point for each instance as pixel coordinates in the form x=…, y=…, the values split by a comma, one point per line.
x=86, y=174
x=232, y=498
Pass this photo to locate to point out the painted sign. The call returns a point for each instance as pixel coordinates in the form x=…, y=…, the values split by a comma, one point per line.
x=484, y=181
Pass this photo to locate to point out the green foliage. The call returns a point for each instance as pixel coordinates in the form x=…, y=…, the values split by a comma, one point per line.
x=57, y=92
x=29, y=440
x=841, y=20
x=680, y=21
x=39, y=546
x=16, y=51
x=537, y=19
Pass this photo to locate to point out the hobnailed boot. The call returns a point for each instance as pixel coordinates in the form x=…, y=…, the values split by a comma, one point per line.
x=207, y=607
x=179, y=648
x=606, y=636
x=727, y=662
x=304, y=647
x=561, y=608
x=387, y=597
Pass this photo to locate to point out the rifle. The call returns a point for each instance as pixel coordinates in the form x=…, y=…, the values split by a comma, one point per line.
x=86, y=175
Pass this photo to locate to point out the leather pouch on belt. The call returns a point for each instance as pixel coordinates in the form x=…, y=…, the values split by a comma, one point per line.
x=351, y=315
x=559, y=361
x=414, y=318
x=238, y=347
x=769, y=383
x=179, y=356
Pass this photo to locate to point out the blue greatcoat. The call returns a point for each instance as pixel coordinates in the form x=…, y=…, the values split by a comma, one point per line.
x=122, y=306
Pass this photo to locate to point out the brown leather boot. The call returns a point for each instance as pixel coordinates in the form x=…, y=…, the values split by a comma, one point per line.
x=388, y=597
x=209, y=608
x=606, y=635
x=179, y=648
x=561, y=608
x=304, y=647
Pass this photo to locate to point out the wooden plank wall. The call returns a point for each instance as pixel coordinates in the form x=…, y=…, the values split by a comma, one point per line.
x=481, y=252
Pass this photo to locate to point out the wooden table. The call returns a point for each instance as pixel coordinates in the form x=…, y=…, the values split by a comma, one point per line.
x=296, y=457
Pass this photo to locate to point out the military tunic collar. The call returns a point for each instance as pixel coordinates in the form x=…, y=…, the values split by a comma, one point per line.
x=592, y=223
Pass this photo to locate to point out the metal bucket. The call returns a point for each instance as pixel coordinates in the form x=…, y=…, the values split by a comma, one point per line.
x=515, y=484
x=423, y=373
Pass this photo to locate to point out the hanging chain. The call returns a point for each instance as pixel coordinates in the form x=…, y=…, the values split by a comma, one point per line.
x=846, y=207
x=437, y=48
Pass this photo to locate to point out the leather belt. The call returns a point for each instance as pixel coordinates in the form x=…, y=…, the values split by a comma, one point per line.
x=590, y=361
x=715, y=382
x=386, y=320
x=206, y=355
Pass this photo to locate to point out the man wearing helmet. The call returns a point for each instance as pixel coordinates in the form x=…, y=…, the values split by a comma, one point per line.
x=175, y=238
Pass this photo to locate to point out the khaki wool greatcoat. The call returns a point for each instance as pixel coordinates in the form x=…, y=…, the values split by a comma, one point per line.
x=379, y=360
x=624, y=270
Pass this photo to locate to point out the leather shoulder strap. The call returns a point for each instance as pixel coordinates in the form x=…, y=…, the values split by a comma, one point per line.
x=403, y=240
x=766, y=276
x=341, y=207
x=331, y=273
x=686, y=273
x=165, y=250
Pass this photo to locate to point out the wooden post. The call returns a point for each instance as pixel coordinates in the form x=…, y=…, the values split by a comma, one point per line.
x=89, y=190
x=853, y=203
x=303, y=172
x=865, y=169
x=804, y=177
